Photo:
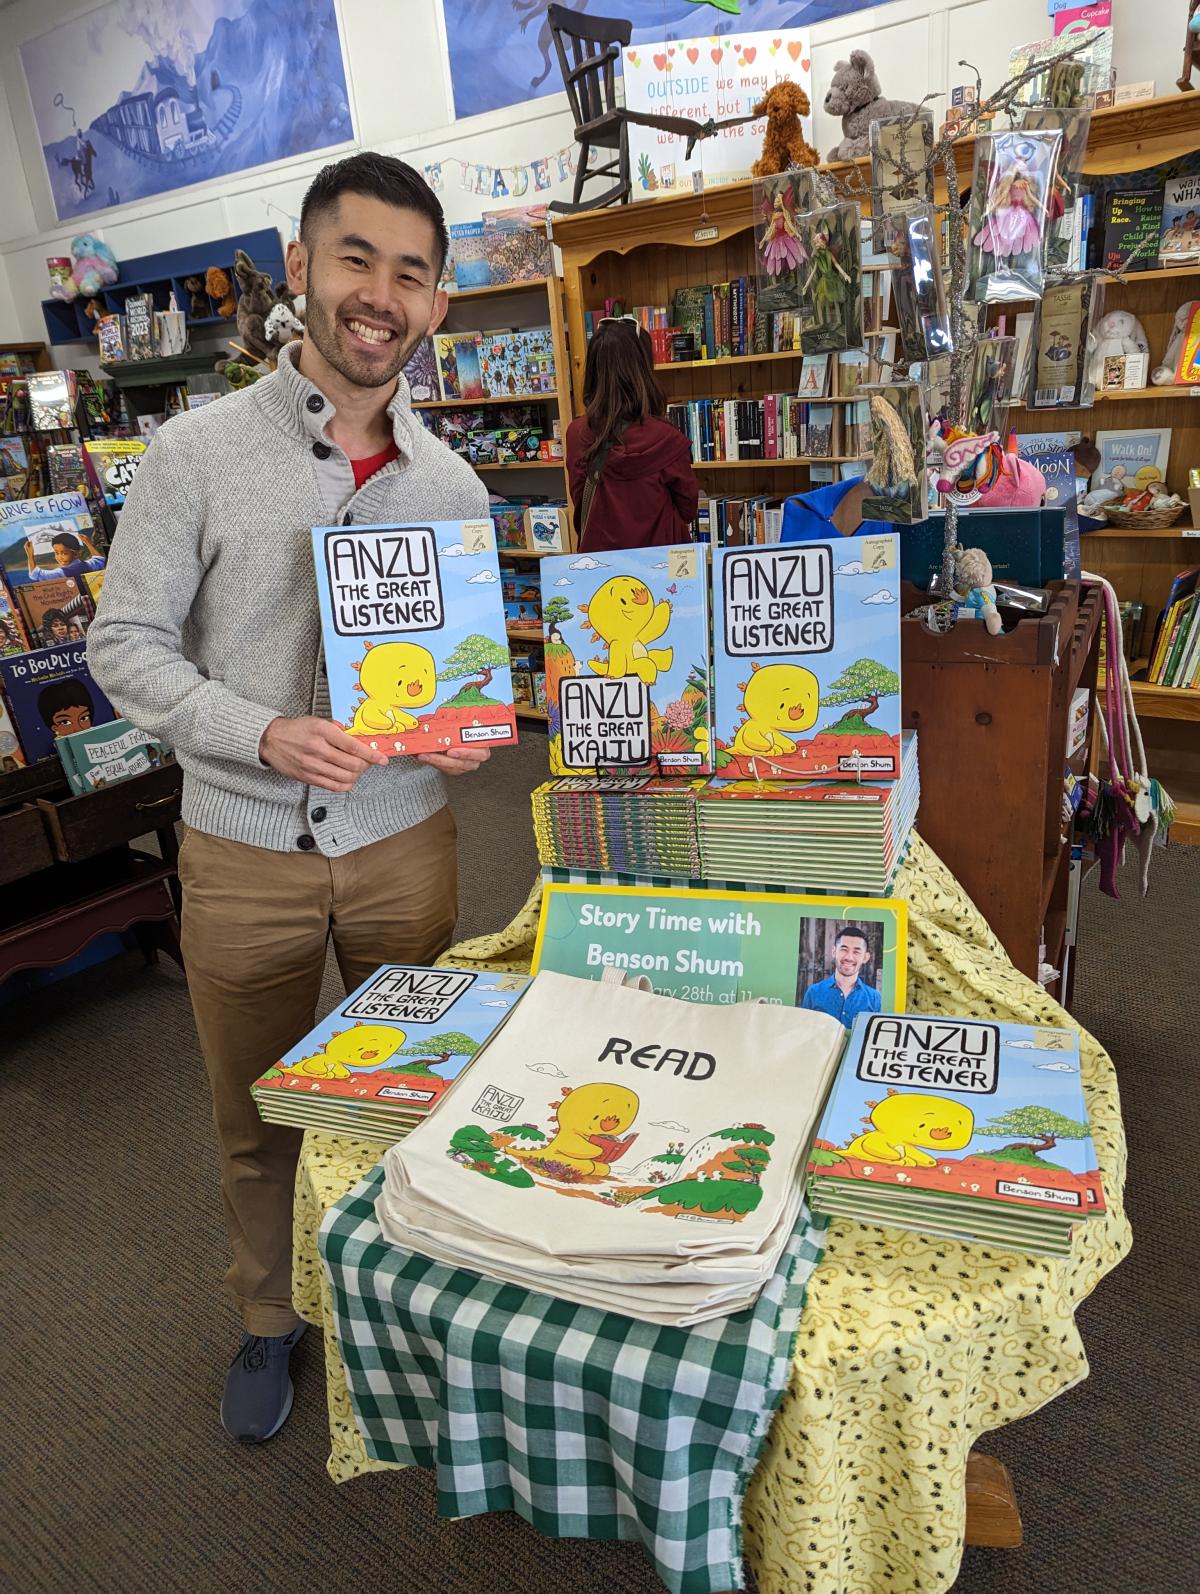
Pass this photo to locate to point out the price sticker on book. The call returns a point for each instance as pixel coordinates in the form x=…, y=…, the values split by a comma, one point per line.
x=479, y=536
x=681, y=563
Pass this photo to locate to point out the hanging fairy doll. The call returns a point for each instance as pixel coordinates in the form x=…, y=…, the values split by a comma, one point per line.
x=780, y=248
x=832, y=291
x=1010, y=197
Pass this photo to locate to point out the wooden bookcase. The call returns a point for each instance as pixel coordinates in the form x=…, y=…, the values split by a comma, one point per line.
x=641, y=252
x=535, y=303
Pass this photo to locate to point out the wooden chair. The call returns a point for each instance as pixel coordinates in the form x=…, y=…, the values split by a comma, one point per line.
x=588, y=49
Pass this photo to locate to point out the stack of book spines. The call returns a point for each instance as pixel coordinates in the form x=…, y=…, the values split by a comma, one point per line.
x=1175, y=658
x=777, y=426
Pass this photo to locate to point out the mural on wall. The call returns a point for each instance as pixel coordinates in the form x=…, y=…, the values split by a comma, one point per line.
x=501, y=51
x=142, y=96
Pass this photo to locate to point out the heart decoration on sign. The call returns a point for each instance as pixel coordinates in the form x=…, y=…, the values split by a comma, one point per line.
x=716, y=55
x=775, y=43
x=749, y=53
x=632, y=57
x=670, y=49
x=794, y=50
x=805, y=64
x=693, y=55
x=660, y=61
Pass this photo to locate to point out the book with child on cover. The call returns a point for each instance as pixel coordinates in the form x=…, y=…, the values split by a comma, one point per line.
x=416, y=648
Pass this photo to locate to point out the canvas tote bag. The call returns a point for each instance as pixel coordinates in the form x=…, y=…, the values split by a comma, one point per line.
x=605, y=1121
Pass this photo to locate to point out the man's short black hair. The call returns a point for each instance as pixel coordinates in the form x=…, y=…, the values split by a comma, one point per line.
x=853, y=929
x=65, y=693
x=378, y=177
x=68, y=539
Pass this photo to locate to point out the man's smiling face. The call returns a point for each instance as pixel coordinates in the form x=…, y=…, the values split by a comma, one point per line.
x=370, y=273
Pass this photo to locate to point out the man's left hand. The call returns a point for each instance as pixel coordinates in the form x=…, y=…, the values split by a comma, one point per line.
x=459, y=762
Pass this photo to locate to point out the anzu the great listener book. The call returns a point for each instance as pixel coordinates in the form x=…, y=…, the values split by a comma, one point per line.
x=415, y=645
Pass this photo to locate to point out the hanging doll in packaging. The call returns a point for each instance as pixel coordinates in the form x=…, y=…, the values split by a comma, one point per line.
x=896, y=485
x=919, y=290
x=991, y=385
x=1066, y=185
x=831, y=282
x=779, y=252
x=900, y=174
x=1010, y=203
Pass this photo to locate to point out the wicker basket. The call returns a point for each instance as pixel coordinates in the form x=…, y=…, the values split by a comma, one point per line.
x=1142, y=519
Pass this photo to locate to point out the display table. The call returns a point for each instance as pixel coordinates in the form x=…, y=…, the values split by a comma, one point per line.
x=909, y=1349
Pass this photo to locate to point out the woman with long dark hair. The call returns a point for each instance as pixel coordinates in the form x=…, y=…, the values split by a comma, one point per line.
x=630, y=470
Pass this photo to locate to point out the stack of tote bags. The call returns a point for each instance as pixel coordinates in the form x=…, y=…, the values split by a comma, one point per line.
x=624, y=1150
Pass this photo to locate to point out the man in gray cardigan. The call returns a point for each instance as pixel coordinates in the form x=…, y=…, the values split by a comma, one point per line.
x=208, y=635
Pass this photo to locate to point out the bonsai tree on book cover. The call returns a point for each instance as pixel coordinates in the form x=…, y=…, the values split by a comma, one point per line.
x=428, y=1052
x=864, y=682
x=1047, y=1126
x=475, y=655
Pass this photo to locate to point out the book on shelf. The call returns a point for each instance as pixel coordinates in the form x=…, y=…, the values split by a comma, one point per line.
x=1167, y=652
x=806, y=659
x=112, y=463
x=54, y=611
x=50, y=693
x=516, y=245
x=1179, y=239
x=467, y=264
x=814, y=376
x=384, y=1059
x=516, y=362
x=776, y=426
x=415, y=644
x=459, y=373
x=42, y=539
x=11, y=755
x=1131, y=459
x=13, y=637
x=1132, y=225
x=52, y=396
x=739, y=521
x=1187, y=367
x=626, y=655
x=106, y=754
x=421, y=373
x=547, y=528
x=952, y=1126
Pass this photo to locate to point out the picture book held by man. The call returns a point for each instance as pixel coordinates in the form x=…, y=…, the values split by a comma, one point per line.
x=627, y=661
x=415, y=644
x=806, y=660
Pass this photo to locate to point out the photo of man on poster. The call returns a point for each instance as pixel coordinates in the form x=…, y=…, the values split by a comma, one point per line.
x=853, y=953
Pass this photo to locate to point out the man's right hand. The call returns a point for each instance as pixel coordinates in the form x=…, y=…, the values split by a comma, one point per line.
x=317, y=752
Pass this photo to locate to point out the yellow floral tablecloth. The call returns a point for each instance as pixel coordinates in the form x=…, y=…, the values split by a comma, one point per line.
x=909, y=1348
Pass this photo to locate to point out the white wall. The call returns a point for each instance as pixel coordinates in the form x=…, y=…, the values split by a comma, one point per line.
x=403, y=108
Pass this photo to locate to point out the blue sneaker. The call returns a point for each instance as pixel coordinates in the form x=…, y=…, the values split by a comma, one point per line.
x=258, y=1392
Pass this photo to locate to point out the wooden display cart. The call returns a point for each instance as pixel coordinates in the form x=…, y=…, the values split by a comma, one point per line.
x=510, y=305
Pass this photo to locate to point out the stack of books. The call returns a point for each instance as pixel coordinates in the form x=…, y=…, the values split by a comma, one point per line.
x=952, y=1126
x=628, y=825
x=382, y=1062
x=821, y=836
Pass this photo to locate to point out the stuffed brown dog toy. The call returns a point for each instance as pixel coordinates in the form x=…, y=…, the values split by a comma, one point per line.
x=784, y=143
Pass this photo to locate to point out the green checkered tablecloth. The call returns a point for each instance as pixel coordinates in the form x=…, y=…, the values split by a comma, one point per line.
x=586, y=1423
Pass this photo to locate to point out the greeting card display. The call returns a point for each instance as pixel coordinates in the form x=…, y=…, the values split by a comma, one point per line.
x=806, y=660
x=1010, y=205
x=896, y=479
x=919, y=289
x=778, y=250
x=1066, y=322
x=900, y=149
x=627, y=661
x=831, y=280
x=415, y=645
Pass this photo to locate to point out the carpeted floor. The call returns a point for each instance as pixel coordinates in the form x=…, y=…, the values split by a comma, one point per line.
x=116, y=1476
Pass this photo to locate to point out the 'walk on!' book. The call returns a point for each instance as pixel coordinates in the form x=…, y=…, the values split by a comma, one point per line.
x=383, y=1060
x=806, y=660
x=627, y=661
x=957, y=1127
x=415, y=645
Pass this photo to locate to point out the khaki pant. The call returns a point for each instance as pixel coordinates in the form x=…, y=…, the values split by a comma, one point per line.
x=256, y=925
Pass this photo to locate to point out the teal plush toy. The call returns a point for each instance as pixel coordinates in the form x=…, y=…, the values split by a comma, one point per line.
x=95, y=266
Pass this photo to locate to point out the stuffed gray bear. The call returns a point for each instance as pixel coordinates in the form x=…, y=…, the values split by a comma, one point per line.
x=855, y=96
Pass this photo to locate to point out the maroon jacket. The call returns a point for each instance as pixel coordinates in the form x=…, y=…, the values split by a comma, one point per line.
x=648, y=492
